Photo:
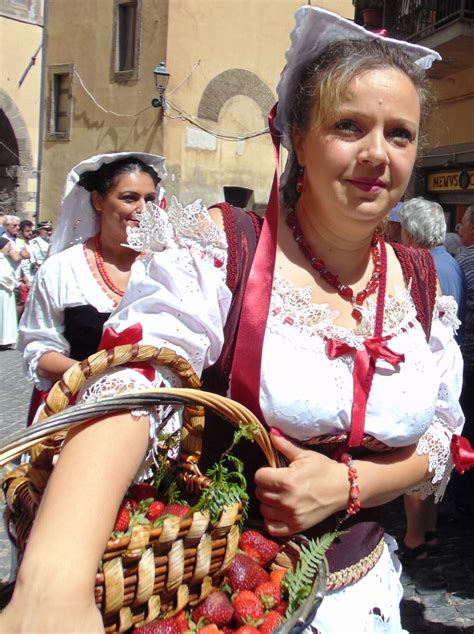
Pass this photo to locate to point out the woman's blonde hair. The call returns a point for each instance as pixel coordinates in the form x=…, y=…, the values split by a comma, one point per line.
x=324, y=81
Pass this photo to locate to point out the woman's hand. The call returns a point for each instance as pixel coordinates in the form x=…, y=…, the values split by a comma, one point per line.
x=309, y=490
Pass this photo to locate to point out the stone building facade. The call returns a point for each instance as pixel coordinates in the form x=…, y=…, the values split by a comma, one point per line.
x=224, y=60
x=21, y=44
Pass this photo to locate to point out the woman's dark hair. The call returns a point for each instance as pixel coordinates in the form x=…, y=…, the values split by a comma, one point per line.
x=105, y=178
x=324, y=81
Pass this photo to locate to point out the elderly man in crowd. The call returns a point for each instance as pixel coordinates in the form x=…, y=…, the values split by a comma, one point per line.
x=423, y=225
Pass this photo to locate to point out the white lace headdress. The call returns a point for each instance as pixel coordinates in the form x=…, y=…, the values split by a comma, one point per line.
x=77, y=220
x=314, y=29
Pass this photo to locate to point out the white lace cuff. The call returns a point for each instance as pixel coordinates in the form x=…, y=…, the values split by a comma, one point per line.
x=31, y=360
x=446, y=310
x=436, y=444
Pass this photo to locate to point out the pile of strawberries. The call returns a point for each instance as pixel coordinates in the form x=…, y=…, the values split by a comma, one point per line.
x=250, y=601
x=140, y=506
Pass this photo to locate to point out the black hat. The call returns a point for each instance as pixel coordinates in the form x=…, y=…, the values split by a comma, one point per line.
x=3, y=242
x=46, y=224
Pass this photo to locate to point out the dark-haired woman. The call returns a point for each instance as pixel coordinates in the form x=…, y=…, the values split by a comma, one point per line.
x=86, y=275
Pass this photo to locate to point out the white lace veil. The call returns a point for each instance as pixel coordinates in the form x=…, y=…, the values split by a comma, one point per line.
x=77, y=220
x=315, y=28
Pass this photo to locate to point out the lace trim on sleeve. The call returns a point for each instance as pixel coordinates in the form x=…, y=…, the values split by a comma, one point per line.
x=180, y=225
x=446, y=311
x=31, y=361
x=435, y=443
x=163, y=419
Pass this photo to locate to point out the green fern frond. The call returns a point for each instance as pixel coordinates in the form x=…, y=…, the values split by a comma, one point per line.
x=228, y=484
x=299, y=582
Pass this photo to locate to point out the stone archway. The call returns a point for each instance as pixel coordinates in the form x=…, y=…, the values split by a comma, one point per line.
x=16, y=160
x=230, y=83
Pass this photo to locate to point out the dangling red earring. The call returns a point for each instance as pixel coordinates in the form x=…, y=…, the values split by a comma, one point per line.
x=300, y=180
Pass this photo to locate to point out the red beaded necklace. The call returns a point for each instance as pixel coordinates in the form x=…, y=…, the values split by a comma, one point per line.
x=346, y=292
x=99, y=260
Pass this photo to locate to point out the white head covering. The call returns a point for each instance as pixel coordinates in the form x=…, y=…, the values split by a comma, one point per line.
x=77, y=220
x=316, y=28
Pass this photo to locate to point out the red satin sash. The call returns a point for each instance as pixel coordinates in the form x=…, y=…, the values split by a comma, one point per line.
x=247, y=361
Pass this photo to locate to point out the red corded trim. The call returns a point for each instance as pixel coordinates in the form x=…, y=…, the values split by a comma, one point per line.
x=229, y=228
x=418, y=267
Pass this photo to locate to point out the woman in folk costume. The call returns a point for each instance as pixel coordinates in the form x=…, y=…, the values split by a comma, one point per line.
x=87, y=272
x=342, y=342
x=8, y=314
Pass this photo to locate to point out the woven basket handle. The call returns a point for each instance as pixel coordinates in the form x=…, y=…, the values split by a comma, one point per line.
x=53, y=424
x=75, y=377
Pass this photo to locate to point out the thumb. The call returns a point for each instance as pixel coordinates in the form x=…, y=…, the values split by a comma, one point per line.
x=286, y=447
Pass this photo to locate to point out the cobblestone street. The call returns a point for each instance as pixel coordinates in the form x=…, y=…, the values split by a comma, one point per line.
x=439, y=592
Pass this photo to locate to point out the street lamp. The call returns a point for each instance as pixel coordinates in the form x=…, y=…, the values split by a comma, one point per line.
x=162, y=76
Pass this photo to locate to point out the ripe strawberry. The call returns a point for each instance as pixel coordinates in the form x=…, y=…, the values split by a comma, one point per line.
x=246, y=629
x=277, y=576
x=122, y=521
x=269, y=595
x=247, y=608
x=211, y=628
x=142, y=491
x=216, y=608
x=271, y=621
x=161, y=626
x=245, y=574
x=131, y=505
x=180, y=510
x=281, y=608
x=267, y=548
x=182, y=622
x=154, y=510
x=252, y=552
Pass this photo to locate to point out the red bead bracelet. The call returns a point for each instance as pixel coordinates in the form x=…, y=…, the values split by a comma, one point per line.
x=353, y=505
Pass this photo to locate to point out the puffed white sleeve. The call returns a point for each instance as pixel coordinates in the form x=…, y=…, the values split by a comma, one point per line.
x=181, y=301
x=449, y=418
x=42, y=323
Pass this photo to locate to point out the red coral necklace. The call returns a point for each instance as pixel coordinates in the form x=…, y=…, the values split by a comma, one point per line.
x=101, y=268
x=346, y=292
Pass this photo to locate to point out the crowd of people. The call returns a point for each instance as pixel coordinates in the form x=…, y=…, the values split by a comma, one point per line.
x=23, y=249
x=345, y=344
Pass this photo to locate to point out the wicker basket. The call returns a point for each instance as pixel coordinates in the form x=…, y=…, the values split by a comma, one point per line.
x=153, y=570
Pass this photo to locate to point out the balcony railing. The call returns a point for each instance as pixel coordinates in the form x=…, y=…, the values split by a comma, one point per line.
x=415, y=19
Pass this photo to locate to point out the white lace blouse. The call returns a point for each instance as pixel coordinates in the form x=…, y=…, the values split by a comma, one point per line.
x=177, y=291
x=62, y=281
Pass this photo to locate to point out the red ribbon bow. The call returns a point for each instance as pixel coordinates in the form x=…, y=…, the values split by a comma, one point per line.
x=462, y=453
x=131, y=335
x=364, y=367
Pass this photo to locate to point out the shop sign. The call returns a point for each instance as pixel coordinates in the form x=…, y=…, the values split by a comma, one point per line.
x=460, y=180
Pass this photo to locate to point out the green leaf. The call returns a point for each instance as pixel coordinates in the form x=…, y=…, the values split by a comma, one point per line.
x=298, y=582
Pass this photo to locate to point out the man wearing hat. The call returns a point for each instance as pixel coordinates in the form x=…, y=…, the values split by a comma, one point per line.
x=39, y=246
